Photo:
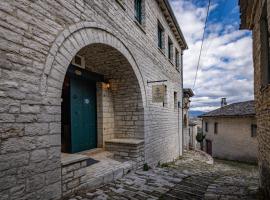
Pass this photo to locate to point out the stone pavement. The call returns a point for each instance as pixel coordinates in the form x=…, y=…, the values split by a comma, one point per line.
x=190, y=177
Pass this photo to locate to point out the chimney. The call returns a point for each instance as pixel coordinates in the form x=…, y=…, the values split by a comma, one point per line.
x=223, y=102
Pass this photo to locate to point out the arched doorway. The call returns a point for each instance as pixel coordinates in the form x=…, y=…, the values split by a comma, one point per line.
x=101, y=100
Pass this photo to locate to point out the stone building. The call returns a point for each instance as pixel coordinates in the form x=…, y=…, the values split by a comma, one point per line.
x=231, y=132
x=79, y=75
x=192, y=133
x=187, y=94
x=255, y=17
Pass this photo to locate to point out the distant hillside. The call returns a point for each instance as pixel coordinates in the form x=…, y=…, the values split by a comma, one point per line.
x=194, y=113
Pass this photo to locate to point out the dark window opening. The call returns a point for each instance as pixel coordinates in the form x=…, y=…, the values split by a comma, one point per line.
x=170, y=49
x=138, y=10
x=206, y=127
x=216, y=128
x=253, y=130
x=160, y=36
x=175, y=100
x=177, y=59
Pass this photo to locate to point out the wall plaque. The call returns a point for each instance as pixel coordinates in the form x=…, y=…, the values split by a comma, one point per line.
x=158, y=93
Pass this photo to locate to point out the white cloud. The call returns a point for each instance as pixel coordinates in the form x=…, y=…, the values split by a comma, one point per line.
x=226, y=67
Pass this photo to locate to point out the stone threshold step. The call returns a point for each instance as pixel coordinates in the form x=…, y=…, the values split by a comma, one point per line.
x=99, y=179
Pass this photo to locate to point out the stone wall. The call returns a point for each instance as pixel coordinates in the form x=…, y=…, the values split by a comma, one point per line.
x=73, y=176
x=233, y=140
x=127, y=149
x=38, y=40
x=123, y=115
x=262, y=99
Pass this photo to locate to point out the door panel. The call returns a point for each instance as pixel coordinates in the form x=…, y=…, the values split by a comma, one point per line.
x=209, y=147
x=83, y=115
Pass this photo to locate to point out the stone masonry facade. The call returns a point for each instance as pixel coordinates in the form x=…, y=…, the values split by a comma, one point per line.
x=236, y=144
x=255, y=16
x=38, y=40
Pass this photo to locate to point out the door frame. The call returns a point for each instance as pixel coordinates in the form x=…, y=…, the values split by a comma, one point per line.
x=209, y=144
x=88, y=76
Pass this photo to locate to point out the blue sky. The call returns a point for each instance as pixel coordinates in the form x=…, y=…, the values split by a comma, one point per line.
x=226, y=68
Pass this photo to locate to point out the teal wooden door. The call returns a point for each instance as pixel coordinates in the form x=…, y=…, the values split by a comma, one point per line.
x=83, y=115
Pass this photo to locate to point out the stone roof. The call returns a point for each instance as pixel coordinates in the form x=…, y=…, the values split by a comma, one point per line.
x=188, y=92
x=246, y=108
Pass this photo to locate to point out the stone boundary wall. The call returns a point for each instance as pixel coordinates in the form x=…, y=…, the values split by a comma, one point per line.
x=127, y=149
x=73, y=177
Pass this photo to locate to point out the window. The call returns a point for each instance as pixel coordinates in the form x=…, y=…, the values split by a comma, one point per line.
x=175, y=100
x=185, y=120
x=206, y=127
x=253, y=130
x=138, y=10
x=216, y=128
x=160, y=36
x=165, y=103
x=181, y=60
x=177, y=59
x=170, y=49
x=265, y=58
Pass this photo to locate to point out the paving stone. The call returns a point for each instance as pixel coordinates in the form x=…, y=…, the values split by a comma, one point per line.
x=189, y=178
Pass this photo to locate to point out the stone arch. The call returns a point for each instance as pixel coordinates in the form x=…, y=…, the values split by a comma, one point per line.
x=71, y=41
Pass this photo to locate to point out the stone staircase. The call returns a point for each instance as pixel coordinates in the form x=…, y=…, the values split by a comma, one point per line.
x=106, y=170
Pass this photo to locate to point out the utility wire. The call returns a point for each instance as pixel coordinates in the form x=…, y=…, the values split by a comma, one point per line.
x=222, y=14
x=198, y=64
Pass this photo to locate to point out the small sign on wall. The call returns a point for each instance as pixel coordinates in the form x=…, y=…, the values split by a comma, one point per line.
x=158, y=93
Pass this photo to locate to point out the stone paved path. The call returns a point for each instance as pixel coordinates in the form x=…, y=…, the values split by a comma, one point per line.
x=189, y=178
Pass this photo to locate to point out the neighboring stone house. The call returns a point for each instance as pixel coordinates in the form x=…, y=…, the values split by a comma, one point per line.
x=192, y=133
x=255, y=16
x=187, y=94
x=231, y=132
x=77, y=75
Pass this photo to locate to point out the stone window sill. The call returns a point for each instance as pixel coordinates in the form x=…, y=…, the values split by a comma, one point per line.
x=162, y=51
x=121, y=4
x=140, y=26
x=170, y=60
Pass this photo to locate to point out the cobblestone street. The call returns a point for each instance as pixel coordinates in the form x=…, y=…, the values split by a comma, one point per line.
x=191, y=177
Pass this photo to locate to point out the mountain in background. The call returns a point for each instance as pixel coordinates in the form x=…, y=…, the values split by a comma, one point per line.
x=195, y=113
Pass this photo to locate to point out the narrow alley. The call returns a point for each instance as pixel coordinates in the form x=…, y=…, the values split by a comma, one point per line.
x=193, y=176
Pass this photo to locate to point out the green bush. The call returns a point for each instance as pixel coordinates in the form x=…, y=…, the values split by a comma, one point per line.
x=200, y=137
x=146, y=167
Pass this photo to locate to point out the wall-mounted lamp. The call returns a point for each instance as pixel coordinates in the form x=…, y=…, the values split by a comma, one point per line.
x=107, y=85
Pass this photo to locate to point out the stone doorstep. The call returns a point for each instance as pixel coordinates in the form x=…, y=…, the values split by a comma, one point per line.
x=106, y=171
x=67, y=159
x=107, y=176
x=125, y=141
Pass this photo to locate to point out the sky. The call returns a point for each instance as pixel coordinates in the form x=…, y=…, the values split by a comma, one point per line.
x=226, y=67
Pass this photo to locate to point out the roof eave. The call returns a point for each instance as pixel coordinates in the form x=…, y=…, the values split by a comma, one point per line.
x=228, y=116
x=176, y=23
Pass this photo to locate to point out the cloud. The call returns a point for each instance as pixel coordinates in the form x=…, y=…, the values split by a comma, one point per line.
x=226, y=67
